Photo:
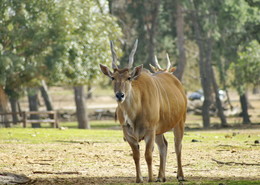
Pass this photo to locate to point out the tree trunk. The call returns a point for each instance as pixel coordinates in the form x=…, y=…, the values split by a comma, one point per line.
x=4, y=107
x=151, y=25
x=46, y=97
x=219, y=106
x=90, y=94
x=206, y=82
x=204, y=59
x=180, y=41
x=33, y=104
x=14, y=103
x=243, y=102
x=19, y=108
x=223, y=81
x=256, y=89
x=81, y=108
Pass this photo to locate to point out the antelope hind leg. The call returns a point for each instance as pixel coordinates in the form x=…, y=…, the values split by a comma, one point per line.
x=178, y=135
x=162, y=146
x=149, y=140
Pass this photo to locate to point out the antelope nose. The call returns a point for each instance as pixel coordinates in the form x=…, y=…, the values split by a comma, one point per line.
x=120, y=96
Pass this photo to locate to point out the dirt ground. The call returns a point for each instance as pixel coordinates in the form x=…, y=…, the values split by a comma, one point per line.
x=83, y=162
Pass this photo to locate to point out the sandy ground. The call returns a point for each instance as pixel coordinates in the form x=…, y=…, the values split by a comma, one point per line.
x=83, y=162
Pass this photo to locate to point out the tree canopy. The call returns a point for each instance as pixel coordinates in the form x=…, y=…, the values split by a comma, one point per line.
x=60, y=41
x=246, y=69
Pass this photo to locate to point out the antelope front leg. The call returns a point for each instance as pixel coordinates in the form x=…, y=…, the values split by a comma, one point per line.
x=136, y=154
x=149, y=140
x=136, y=157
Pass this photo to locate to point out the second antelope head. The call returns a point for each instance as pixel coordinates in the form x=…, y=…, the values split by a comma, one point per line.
x=157, y=67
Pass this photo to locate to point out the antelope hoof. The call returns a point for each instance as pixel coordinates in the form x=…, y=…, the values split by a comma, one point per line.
x=159, y=179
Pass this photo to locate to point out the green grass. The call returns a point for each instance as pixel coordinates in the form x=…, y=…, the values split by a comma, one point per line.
x=68, y=134
x=94, y=124
x=102, y=133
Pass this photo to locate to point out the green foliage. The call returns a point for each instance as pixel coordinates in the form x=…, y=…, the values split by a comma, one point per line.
x=237, y=22
x=87, y=44
x=64, y=41
x=228, y=24
x=59, y=41
x=24, y=36
x=246, y=69
x=136, y=19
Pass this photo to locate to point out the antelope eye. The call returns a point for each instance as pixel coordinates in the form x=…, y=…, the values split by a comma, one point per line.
x=112, y=78
x=129, y=78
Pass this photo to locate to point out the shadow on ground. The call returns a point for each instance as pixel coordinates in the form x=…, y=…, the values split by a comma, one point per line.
x=131, y=180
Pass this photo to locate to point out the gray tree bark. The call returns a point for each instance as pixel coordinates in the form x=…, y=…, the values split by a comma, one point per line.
x=204, y=62
x=151, y=25
x=81, y=108
x=4, y=107
x=223, y=81
x=46, y=97
x=181, y=62
x=206, y=77
x=90, y=94
x=33, y=104
x=244, y=106
x=14, y=104
x=219, y=106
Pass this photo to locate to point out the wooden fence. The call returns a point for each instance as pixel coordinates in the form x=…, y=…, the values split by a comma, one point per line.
x=25, y=117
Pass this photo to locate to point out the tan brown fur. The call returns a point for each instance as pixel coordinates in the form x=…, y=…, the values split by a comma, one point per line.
x=164, y=105
x=149, y=104
x=155, y=103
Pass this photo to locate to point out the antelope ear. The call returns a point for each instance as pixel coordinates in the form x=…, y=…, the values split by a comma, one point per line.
x=105, y=70
x=136, y=72
x=172, y=69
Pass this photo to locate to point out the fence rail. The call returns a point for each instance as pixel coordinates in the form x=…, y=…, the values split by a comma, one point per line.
x=26, y=120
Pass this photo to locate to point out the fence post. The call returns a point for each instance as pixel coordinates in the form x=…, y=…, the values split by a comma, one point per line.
x=55, y=119
x=24, y=119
